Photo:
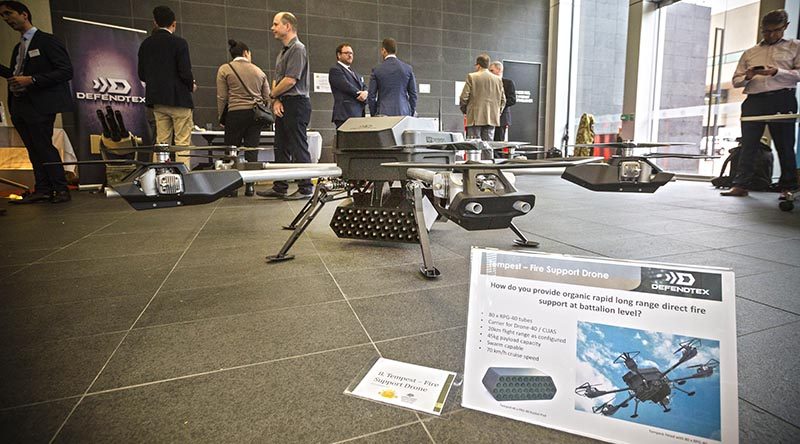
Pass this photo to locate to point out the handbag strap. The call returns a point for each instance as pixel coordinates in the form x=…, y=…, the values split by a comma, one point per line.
x=256, y=97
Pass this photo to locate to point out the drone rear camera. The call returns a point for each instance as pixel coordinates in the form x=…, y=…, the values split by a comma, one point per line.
x=518, y=384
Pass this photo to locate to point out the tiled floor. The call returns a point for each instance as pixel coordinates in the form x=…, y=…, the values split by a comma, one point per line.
x=168, y=325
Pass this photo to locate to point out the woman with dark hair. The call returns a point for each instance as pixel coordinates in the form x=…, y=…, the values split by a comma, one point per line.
x=240, y=84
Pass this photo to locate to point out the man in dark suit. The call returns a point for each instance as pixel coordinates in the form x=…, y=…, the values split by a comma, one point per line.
x=349, y=92
x=38, y=89
x=392, y=86
x=496, y=68
x=166, y=69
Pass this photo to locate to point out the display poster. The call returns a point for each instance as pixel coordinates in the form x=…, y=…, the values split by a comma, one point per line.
x=105, y=59
x=620, y=351
x=524, y=115
x=321, y=82
x=404, y=385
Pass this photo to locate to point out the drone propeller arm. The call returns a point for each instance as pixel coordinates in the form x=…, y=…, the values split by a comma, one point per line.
x=695, y=376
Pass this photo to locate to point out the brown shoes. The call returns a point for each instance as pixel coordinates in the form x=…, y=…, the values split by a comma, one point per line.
x=735, y=191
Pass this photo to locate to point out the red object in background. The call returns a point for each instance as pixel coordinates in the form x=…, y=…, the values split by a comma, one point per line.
x=603, y=151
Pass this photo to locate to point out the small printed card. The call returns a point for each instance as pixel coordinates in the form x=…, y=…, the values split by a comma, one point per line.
x=405, y=385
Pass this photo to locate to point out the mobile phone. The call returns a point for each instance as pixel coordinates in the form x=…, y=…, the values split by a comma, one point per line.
x=758, y=68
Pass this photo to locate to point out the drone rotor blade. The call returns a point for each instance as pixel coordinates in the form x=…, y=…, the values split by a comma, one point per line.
x=101, y=162
x=678, y=156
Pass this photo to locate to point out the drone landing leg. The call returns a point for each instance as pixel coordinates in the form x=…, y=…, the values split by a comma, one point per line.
x=666, y=409
x=317, y=202
x=427, y=269
x=635, y=409
x=522, y=241
x=683, y=391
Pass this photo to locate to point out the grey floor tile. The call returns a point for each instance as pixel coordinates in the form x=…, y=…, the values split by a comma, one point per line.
x=757, y=426
x=721, y=237
x=52, y=370
x=785, y=251
x=741, y=265
x=472, y=426
x=252, y=269
x=30, y=325
x=753, y=316
x=155, y=353
x=778, y=289
x=296, y=400
x=10, y=256
x=643, y=247
x=770, y=352
x=121, y=245
x=778, y=229
x=348, y=254
x=237, y=298
x=411, y=433
x=398, y=278
x=413, y=312
x=131, y=283
x=36, y=423
x=122, y=268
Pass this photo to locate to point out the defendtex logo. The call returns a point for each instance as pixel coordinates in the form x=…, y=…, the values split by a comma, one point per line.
x=110, y=90
x=675, y=281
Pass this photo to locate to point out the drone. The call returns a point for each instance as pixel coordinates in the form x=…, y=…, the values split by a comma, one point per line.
x=396, y=176
x=649, y=383
x=626, y=171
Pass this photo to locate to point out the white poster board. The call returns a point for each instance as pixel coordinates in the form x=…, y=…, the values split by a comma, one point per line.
x=321, y=82
x=621, y=351
x=458, y=88
x=405, y=385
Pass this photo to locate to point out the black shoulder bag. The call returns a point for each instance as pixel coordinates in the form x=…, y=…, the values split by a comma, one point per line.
x=261, y=112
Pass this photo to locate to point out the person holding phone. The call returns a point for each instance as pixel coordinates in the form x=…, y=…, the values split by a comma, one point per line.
x=769, y=73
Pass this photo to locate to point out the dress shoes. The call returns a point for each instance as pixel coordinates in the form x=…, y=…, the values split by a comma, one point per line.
x=60, y=197
x=271, y=193
x=32, y=198
x=249, y=189
x=297, y=195
x=735, y=192
x=786, y=193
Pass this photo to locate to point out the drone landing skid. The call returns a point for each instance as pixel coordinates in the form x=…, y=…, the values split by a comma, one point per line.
x=522, y=241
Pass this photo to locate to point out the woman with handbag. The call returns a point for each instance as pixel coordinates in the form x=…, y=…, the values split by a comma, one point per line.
x=242, y=95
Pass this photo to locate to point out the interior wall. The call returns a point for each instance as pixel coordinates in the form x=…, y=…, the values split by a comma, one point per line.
x=439, y=38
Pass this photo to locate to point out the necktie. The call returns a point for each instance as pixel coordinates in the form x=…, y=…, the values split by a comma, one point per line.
x=23, y=47
x=354, y=75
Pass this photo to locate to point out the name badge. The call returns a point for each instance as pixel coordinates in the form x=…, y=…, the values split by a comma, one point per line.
x=34, y=53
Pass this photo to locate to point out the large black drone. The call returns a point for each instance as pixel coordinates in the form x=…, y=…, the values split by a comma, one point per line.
x=648, y=383
x=398, y=175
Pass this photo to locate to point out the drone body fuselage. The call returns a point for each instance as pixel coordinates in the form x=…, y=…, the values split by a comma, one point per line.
x=648, y=384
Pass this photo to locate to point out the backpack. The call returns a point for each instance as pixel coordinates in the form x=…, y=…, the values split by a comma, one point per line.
x=762, y=171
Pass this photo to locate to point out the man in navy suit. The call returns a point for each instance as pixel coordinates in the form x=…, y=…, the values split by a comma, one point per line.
x=166, y=69
x=38, y=89
x=392, y=87
x=349, y=92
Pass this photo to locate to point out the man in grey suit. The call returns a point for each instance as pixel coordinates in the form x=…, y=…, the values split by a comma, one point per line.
x=392, y=86
x=481, y=100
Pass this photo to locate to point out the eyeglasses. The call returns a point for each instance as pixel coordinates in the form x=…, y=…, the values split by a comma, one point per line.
x=346, y=53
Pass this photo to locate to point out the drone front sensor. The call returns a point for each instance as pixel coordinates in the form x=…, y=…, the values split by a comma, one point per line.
x=518, y=384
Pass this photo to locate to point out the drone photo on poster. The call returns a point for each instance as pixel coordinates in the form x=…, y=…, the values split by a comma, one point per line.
x=652, y=378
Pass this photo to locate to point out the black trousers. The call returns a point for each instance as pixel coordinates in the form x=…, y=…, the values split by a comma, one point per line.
x=500, y=133
x=36, y=131
x=783, y=134
x=242, y=131
x=291, y=141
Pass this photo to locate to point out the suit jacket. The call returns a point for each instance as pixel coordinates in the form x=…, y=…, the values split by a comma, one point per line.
x=511, y=99
x=165, y=67
x=484, y=98
x=52, y=70
x=392, y=89
x=345, y=88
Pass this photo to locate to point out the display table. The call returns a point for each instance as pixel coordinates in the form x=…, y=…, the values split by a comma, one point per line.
x=14, y=155
x=216, y=138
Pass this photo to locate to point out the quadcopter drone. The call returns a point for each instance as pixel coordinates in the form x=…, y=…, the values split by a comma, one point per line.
x=648, y=383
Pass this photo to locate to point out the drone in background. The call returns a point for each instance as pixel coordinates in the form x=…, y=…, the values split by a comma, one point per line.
x=648, y=383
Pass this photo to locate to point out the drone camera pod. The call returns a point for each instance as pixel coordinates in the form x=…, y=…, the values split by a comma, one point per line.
x=636, y=175
x=172, y=185
x=518, y=384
